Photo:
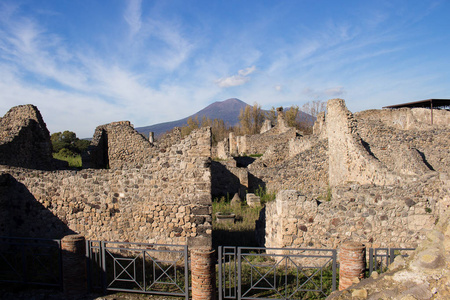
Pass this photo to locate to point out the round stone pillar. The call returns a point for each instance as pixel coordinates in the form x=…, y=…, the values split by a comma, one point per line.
x=203, y=274
x=352, y=260
x=74, y=264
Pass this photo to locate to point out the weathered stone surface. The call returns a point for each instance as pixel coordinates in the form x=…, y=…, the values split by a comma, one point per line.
x=138, y=200
x=236, y=201
x=423, y=276
x=253, y=200
x=374, y=196
x=25, y=139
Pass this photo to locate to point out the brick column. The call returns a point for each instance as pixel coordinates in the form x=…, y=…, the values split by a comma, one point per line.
x=352, y=259
x=203, y=274
x=74, y=264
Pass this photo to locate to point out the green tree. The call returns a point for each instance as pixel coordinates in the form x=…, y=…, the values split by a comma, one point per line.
x=291, y=116
x=192, y=124
x=272, y=115
x=68, y=140
x=251, y=119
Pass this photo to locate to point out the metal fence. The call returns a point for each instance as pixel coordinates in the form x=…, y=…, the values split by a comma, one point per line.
x=275, y=273
x=30, y=261
x=136, y=267
x=381, y=258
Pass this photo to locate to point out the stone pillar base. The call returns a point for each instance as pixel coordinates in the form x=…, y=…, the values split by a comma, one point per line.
x=74, y=265
x=352, y=259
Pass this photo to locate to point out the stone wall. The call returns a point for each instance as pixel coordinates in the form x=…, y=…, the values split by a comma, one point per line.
x=378, y=217
x=306, y=171
x=257, y=143
x=424, y=275
x=166, y=199
x=228, y=179
x=408, y=118
x=116, y=145
x=24, y=139
x=407, y=152
x=386, y=184
x=349, y=160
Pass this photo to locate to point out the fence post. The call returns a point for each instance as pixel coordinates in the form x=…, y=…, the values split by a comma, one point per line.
x=203, y=274
x=352, y=257
x=74, y=264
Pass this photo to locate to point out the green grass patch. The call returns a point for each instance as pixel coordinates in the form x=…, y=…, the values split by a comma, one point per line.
x=239, y=233
x=265, y=195
x=263, y=277
x=74, y=161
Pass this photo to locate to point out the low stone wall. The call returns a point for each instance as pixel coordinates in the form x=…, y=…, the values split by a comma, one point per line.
x=408, y=118
x=395, y=216
x=167, y=200
x=259, y=143
x=306, y=171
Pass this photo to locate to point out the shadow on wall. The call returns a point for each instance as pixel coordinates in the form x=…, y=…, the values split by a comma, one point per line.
x=30, y=148
x=223, y=182
x=244, y=161
x=22, y=215
x=96, y=155
x=255, y=183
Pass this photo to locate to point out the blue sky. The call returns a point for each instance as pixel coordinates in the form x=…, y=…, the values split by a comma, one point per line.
x=87, y=63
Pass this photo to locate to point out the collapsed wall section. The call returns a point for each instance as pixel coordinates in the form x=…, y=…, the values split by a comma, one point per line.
x=24, y=139
x=409, y=152
x=167, y=200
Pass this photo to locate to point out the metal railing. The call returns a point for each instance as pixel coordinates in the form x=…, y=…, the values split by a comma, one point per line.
x=30, y=261
x=280, y=273
x=137, y=267
x=381, y=258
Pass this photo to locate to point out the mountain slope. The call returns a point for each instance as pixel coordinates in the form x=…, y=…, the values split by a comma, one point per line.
x=227, y=110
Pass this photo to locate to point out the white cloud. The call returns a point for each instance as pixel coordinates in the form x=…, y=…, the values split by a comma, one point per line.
x=247, y=71
x=236, y=80
x=334, y=91
x=133, y=16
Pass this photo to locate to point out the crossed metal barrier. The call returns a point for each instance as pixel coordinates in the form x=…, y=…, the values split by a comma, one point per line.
x=137, y=267
x=279, y=273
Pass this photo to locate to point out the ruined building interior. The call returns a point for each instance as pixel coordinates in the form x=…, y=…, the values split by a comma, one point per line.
x=380, y=177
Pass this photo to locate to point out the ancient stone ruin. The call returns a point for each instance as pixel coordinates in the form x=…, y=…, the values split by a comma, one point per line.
x=383, y=183
x=378, y=177
x=146, y=193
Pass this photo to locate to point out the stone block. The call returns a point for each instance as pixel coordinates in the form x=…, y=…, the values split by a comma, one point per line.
x=253, y=200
